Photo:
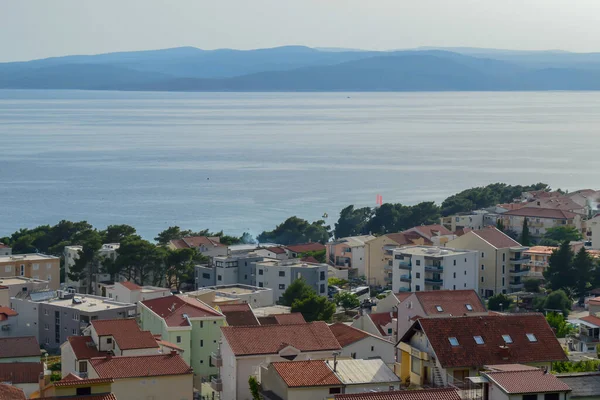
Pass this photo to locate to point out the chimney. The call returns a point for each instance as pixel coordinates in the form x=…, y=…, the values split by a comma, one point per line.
x=504, y=352
x=173, y=352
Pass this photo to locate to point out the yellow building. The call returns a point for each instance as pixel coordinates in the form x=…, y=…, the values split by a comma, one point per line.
x=72, y=385
x=36, y=266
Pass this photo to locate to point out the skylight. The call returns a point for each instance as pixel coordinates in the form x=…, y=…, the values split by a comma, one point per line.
x=478, y=339
x=439, y=308
x=453, y=341
x=469, y=307
x=507, y=339
x=531, y=337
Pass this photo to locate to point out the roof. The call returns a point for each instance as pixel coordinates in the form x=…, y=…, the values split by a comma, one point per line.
x=4, y=246
x=452, y=302
x=275, y=249
x=289, y=319
x=6, y=310
x=84, y=347
x=430, y=231
x=21, y=372
x=541, y=213
x=559, y=203
x=403, y=238
x=305, y=247
x=510, y=367
x=496, y=237
x=468, y=353
x=74, y=380
x=354, y=241
x=592, y=319
x=130, y=285
x=306, y=373
x=173, y=308
x=126, y=333
x=270, y=339
x=356, y=372
x=541, y=250
x=582, y=384
x=425, y=394
x=402, y=296
x=382, y=319
x=25, y=346
x=196, y=241
x=346, y=334
x=517, y=382
x=9, y=392
x=238, y=314
x=140, y=366
x=99, y=396
x=311, y=259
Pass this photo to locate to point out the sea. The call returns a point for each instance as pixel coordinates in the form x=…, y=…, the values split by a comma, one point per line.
x=244, y=162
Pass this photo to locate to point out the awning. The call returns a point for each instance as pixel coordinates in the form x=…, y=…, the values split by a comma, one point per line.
x=477, y=379
x=581, y=322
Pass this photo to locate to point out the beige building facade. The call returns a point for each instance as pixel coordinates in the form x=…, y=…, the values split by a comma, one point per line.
x=36, y=266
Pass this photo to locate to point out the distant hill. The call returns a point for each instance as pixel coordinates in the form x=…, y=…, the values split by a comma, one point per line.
x=299, y=68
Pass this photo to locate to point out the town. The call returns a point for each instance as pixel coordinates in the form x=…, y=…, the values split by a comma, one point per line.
x=493, y=295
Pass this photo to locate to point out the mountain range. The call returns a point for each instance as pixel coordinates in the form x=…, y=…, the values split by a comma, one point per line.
x=299, y=68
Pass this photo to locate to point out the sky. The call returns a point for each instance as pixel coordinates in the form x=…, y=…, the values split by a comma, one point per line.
x=31, y=29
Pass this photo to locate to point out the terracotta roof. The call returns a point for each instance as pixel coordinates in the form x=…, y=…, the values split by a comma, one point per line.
x=9, y=312
x=276, y=249
x=310, y=259
x=430, y=231
x=84, y=347
x=100, y=396
x=451, y=302
x=270, y=339
x=402, y=296
x=541, y=250
x=172, y=308
x=424, y=394
x=126, y=333
x=382, y=319
x=496, y=237
x=169, y=345
x=238, y=314
x=196, y=241
x=140, y=366
x=592, y=319
x=510, y=367
x=491, y=328
x=559, y=203
x=346, y=334
x=306, y=373
x=541, y=213
x=9, y=392
x=179, y=244
x=3, y=246
x=21, y=372
x=518, y=382
x=25, y=346
x=304, y=247
x=269, y=320
x=403, y=238
x=130, y=285
x=289, y=319
x=74, y=380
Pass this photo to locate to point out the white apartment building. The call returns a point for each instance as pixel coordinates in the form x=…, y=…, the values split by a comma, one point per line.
x=419, y=268
x=279, y=275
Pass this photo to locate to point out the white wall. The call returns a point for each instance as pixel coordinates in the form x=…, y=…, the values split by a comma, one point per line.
x=27, y=320
x=381, y=348
x=68, y=360
x=358, y=259
x=375, y=387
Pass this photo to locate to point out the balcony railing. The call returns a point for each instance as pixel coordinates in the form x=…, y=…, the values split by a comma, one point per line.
x=405, y=278
x=516, y=286
x=216, y=359
x=517, y=261
x=405, y=265
x=434, y=268
x=434, y=281
x=216, y=384
x=521, y=272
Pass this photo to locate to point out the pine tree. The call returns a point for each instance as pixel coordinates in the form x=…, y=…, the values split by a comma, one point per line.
x=525, y=237
x=559, y=273
x=500, y=225
x=583, y=266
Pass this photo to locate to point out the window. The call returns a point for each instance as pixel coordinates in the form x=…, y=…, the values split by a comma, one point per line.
x=507, y=339
x=502, y=281
x=454, y=262
x=353, y=355
x=75, y=317
x=219, y=278
x=109, y=340
x=36, y=267
x=83, y=391
x=504, y=257
x=465, y=285
x=201, y=324
x=47, y=340
x=22, y=270
x=322, y=275
x=49, y=278
x=82, y=366
x=201, y=343
x=8, y=268
x=178, y=339
x=453, y=287
x=281, y=273
x=453, y=341
x=415, y=365
x=389, y=331
x=552, y=396
x=417, y=288
x=482, y=267
x=260, y=271
x=530, y=397
x=439, y=308
x=418, y=275
x=465, y=271
x=478, y=339
x=482, y=255
x=205, y=275
x=504, y=269
x=455, y=275
x=482, y=279
x=322, y=288
x=372, y=348
x=260, y=284
x=48, y=265
x=45, y=310
x=46, y=327
x=74, y=331
x=469, y=307
x=245, y=276
x=418, y=262
x=335, y=390
x=281, y=286
x=531, y=337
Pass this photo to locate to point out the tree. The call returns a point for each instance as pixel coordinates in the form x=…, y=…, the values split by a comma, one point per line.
x=583, y=266
x=314, y=308
x=346, y=300
x=559, y=273
x=319, y=255
x=254, y=388
x=525, y=236
x=560, y=367
x=171, y=233
x=500, y=225
x=333, y=281
x=140, y=260
x=117, y=233
x=532, y=285
x=563, y=233
x=558, y=323
x=180, y=266
x=495, y=301
x=352, y=221
x=298, y=289
x=88, y=261
x=558, y=301
x=296, y=230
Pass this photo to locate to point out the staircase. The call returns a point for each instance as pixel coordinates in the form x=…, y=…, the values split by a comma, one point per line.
x=436, y=378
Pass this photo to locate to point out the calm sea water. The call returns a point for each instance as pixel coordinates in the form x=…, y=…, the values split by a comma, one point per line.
x=244, y=162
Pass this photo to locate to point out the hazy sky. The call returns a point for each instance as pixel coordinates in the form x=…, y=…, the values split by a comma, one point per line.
x=42, y=28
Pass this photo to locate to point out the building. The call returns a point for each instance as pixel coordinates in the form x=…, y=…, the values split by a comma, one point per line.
x=71, y=255
x=420, y=268
x=583, y=385
x=5, y=250
x=470, y=220
x=73, y=387
x=448, y=350
x=238, y=314
x=320, y=379
x=207, y=246
x=423, y=394
x=36, y=266
x=281, y=319
x=22, y=375
x=228, y=270
x=235, y=294
x=9, y=392
x=279, y=275
x=276, y=252
x=299, y=250
x=522, y=382
x=438, y=235
x=501, y=260
x=349, y=252
x=537, y=260
x=53, y=316
x=4, y=296
x=438, y=303
x=563, y=203
x=8, y=321
x=391, y=302
x=383, y=325
x=19, y=349
x=593, y=226
x=245, y=349
x=539, y=220
x=587, y=335
x=188, y=323
x=129, y=292
x=98, y=280
x=19, y=284
x=358, y=344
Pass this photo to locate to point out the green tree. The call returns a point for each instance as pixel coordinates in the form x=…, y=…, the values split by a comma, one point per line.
x=314, y=308
x=88, y=261
x=298, y=289
x=346, y=300
x=296, y=230
x=583, y=268
x=558, y=301
x=140, y=261
x=559, y=273
x=333, y=281
x=254, y=388
x=117, y=233
x=352, y=222
x=563, y=233
x=319, y=255
x=500, y=225
x=532, y=285
x=525, y=236
x=495, y=301
x=171, y=233
x=561, y=367
x=559, y=324
x=180, y=266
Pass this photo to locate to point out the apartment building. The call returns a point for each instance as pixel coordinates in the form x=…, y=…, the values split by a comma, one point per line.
x=207, y=246
x=21, y=284
x=348, y=252
x=85, y=284
x=437, y=234
x=5, y=250
x=470, y=220
x=36, y=266
x=278, y=275
x=419, y=268
x=129, y=292
x=228, y=270
x=537, y=260
x=501, y=260
x=234, y=294
x=539, y=220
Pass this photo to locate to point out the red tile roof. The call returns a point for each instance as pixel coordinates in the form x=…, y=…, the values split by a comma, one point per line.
x=270, y=339
x=6, y=312
x=402, y=296
x=84, y=347
x=289, y=319
x=541, y=213
x=238, y=314
x=276, y=249
x=74, y=380
x=496, y=238
x=172, y=308
x=25, y=346
x=126, y=333
x=430, y=231
x=592, y=319
x=518, y=382
x=3, y=246
x=346, y=334
x=490, y=328
x=268, y=320
x=21, y=372
x=304, y=247
x=310, y=259
x=453, y=302
x=140, y=366
x=382, y=319
x=425, y=394
x=509, y=367
x=306, y=373
x=403, y=238
x=100, y=396
x=196, y=241
x=9, y=392
x=130, y=285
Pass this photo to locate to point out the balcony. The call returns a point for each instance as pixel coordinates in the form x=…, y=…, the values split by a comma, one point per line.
x=516, y=286
x=519, y=272
x=216, y=384
x=434, y=281
x=434, y=268
x=404, y=289
x=387, y=267
x=405, y=265
x=405, y=278
x=387, y=279
x=519, y=261
x=216, y=360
